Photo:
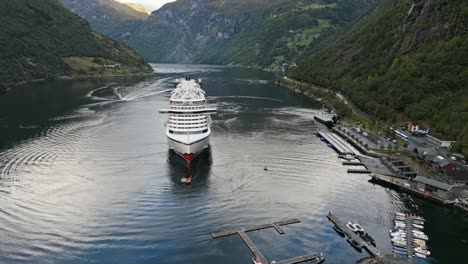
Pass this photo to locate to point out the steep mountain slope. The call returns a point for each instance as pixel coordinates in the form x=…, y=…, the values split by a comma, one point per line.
x=109, y=17
x=41, y=39
x=405, y=61
x=139, y=8
x=248, y=32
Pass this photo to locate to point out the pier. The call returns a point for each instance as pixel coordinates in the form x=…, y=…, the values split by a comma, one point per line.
x=353, y=236
x=353, y=163
x=242, y=232
x=359, y=171
x=341, y=146
x=409, y=236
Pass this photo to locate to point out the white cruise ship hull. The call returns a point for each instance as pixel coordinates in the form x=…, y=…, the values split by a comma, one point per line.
x=188, y=149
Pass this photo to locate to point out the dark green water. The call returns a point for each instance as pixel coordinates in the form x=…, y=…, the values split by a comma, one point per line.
x=87, y=177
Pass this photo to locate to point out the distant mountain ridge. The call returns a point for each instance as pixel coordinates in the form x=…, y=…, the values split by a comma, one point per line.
x=139, y=8
x=407, y=60
x=109, y=17
x=249, y=32
x=41, y=39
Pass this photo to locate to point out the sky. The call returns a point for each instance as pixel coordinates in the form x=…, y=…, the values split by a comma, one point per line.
x=150, y=4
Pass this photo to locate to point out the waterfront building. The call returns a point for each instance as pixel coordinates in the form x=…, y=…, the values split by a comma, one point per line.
x=430, y=186
x=440, y=140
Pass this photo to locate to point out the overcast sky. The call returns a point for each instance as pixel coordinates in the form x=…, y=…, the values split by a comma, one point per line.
x=150, y=4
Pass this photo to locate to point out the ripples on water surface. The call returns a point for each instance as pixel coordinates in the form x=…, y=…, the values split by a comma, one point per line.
x=86, y=176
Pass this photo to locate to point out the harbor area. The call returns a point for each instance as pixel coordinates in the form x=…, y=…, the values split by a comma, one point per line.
x=396, y=171
x=258, y=257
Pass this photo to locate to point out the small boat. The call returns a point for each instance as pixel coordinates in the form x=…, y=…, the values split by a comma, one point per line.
x=418, y=226
x=366, y=237
x=419, y=255
x=414, y=217
x=351, y=227
x=419, y=241
x=265, y=168
x=422, y=237
x=358, y=228
x=319, y=259
x=422, y=251
x=400, y=252
x=400, y=218
x=400, y=214
x=418, y=222
x=399, y=241
x=257, y=261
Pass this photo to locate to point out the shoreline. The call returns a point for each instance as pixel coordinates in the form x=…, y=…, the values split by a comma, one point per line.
x=383, y=180
x=9, y=86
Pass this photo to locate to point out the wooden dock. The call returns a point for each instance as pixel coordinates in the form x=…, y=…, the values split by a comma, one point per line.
x=353, y=236
x=276, y=225
x=341, y=146
x=353, y=163
x=314, y=258
x=409, y=236
x=358, y=171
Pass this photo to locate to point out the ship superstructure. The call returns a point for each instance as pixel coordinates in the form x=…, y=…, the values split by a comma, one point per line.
x=189, y=121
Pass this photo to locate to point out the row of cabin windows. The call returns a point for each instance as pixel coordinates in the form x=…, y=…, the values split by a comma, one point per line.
x=181, y=127
x=197, y=123
x=187, y=103
x=188, y=132
x=196, y=115
x=187, y=107
x=190, y=120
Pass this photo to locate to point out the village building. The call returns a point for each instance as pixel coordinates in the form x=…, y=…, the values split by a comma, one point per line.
x=440, y=140
x=433, y=187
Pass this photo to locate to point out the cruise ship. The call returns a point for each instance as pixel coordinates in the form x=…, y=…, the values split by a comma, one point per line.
x=188, y=122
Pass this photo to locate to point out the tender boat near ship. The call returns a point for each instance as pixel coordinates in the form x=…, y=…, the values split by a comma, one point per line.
x=188, y=123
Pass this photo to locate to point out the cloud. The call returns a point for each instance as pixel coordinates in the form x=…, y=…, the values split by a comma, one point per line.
x=150, y=4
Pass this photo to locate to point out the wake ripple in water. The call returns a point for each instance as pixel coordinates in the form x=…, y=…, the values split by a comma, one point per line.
x=99, y=185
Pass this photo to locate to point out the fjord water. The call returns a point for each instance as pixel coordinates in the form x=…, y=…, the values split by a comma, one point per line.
x=86, y=176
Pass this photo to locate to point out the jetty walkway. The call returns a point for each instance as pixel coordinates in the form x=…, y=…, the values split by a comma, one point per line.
x=313, y=258
x=353, y=236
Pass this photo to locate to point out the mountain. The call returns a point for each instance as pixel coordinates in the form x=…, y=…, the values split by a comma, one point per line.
x=139, y=8
x=41, y=39
x=263, y=33
x=249, y=32
x=406, y=60
x=109, y=17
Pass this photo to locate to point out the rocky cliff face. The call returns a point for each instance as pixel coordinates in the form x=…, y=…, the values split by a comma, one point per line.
x=109, y=17
x=260, y=32
x=176, y=33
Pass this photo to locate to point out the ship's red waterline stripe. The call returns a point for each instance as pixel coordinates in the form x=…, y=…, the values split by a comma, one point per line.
x=188, y=157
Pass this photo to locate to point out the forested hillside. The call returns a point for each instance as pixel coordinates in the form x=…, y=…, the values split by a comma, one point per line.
x=109, y=17
x=407, y=60
x=247, y=32
x=41, y=39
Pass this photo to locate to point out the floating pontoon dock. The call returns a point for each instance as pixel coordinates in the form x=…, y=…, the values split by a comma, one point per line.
x=314, y=258
x=409, y=236
x=339, y=144
x=353, y=236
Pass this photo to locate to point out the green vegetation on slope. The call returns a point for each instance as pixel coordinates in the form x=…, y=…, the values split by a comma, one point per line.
x=259, y=32
x=109, y=17
x=36, y=36
x=406, y=61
